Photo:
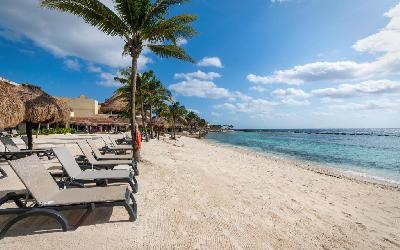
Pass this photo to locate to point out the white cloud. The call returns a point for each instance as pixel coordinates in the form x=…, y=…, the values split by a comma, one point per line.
x=321, y=113
x=251, y=106
x=383, y=104
x=385, y=42
x=199, y=88
x=107, y=80
x=364, y=88
x=194, y=111
x=181, y=42
x=211, y=62
x=292, y=97
x=279, y=1
x=215, y=114
x=387, y=39
x=225, y=106
x=72, y=64
x=291, y=92
x=259, y=89
x=62, y=34
x=198, y=74
x=294, y=102
x=93, y=68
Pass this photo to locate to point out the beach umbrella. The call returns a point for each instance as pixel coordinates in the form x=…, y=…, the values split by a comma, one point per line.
x=12, y=109
x=40, y=107
x=116, y=104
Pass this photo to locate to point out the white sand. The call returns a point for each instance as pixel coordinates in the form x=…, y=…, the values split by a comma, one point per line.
x=194, y=194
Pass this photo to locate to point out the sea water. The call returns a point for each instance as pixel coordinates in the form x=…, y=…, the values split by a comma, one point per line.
x=371, y=153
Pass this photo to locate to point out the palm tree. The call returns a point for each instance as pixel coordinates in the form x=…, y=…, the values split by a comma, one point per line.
x=162, y=111
x=143, y=82
x=157, y=95
x=203, y=124
x=177, y=112
x=149, y=95
x=192, y=119
x=140, y=23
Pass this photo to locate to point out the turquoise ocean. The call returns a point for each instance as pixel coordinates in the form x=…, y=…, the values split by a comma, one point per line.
x=369, y=153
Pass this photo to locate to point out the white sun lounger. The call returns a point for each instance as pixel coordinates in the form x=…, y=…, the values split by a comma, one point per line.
x=86, y=150
x=49, y=200
x=76, y=174
x=99, y=156
x=14, y=152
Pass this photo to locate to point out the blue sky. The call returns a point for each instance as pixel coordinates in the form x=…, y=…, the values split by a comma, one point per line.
x=261, y=63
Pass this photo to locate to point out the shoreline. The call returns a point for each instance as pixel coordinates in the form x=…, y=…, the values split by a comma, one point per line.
x=320, y=168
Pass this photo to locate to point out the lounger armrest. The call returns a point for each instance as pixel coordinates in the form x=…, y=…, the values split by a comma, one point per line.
x=35, y=150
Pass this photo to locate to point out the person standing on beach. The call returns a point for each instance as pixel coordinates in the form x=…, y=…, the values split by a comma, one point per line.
x=138, y=143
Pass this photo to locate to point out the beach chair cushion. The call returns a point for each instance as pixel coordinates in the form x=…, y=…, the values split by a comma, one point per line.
x=88, y=153
x=35, y=177
x=67, y=161
x=69, y=164
x=100, y=156
x=9, y=144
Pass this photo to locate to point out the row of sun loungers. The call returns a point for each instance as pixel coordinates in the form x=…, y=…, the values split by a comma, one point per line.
x=12, y=151
x=79, y=186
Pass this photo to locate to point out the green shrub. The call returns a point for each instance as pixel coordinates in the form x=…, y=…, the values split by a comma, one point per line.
x=52, y=131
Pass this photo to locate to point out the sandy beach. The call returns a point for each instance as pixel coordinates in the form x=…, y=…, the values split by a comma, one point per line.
x=194, y=194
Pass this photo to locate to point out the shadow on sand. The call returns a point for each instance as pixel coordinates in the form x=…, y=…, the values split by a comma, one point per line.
x=42, y=225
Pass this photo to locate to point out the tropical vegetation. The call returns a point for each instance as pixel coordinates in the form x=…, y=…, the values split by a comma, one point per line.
x=154, y=101
x=140, y=23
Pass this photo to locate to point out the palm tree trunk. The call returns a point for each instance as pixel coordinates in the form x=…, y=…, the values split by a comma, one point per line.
x=151, y=123
x=133, y=106
x=144, y=120
x=37, y=132
x=29, y=127
x=173, y=129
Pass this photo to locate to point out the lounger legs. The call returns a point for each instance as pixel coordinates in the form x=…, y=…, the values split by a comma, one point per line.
x=135, y=168
x=14, y=197
x=131, y=209
x=36, y=212
x=134, y=185
x=3, y=173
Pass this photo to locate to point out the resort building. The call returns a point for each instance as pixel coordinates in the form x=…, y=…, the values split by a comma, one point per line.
x=86, y=116
x=82, y=106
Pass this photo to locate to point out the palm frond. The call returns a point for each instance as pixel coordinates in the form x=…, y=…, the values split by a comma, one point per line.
x=93, y=12
x=160, y=9
x=133, y=12
x=171, y=29
x=170, y=51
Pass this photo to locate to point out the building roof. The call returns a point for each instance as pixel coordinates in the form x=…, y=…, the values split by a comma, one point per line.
x=99, y=120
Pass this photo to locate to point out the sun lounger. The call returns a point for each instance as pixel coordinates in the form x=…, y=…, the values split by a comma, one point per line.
x=49, y=200
x=14, y=133
x=99, y=156
x=113, y=146
x=4, y=133
x=15, y=152
x=3, y=173
x=76, y=174
x=108, y=164
x=25, y=140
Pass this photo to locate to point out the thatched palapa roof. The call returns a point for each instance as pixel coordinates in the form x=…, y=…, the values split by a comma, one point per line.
x=12, y=109
x=160, y=122
x=41, y=107
x=96, y=121
x=116, y=104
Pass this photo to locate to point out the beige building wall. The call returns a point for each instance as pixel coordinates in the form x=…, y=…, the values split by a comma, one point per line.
x=82, y=106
